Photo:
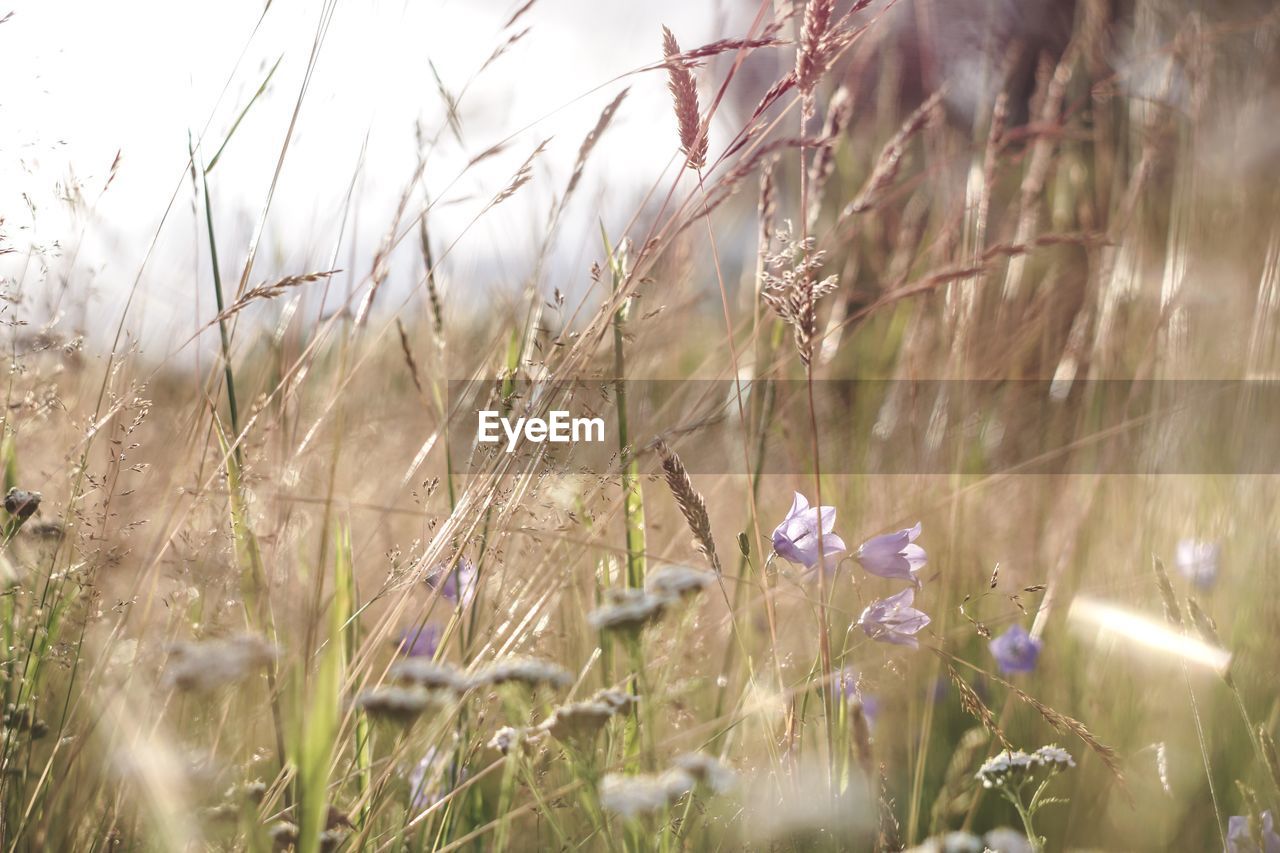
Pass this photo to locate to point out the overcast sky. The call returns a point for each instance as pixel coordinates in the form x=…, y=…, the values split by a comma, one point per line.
x=85, y=79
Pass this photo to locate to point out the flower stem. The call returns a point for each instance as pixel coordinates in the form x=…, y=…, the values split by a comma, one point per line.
x=1032, y=838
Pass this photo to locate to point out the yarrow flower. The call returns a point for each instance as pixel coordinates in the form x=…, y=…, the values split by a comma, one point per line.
x=706, y=770
x=894, y=620
x=796, y=538
x=1245, y=835
x=1051, y=755
x=508, y=738
x=1011, y=773
x=678, y=581
x=528, y=672
x=428, y=674
x=1197, y=560
x=457, y=582
x=629, y=611
x=894, y=555
x=631, y=796
x=578, y=720
x=398, y=703
x=206, y=665
x=1012, y=768
x=583, y=720
x=1001, y=840
x=1015, y=650
x=1005, y=840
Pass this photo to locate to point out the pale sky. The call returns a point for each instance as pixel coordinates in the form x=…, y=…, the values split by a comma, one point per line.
x=84, y=79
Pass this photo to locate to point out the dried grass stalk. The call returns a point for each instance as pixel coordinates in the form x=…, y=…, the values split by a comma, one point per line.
x=589, y=143
x=1205, y=626
x=768, y=38
x=811, y=58
x=409, y=360
x=270, y=291
x=433, y=289
x=822, y=39
x=792, y=289
x=728, y=185
x=1069, y=725
x=1268, y=746
x=518, y=14
x=766, y=212
x=957, y=789
x=975, y=707
x=776, y=91
x=692, y=506
x=684, y=92
x=890, y=160
x=839, y=112
x=522, y=176
x=1172, y=613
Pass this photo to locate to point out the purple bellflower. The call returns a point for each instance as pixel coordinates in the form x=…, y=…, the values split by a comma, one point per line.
x=1242, y=839
x=894, y=620
x=1197, y=561
x=894, y=555
x=459, y=584
x=1015, y=650
x=418, y=641
x=847, y=685
x=426, y=779
x=796, y=538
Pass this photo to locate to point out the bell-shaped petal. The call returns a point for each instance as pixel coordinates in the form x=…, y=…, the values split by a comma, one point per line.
x=1015, y=650
x=1197, y=561
x=1249, y=836
x=894, y=555
x=418, y=641
x=894, y=620
x=806, y=535
x=457, y=584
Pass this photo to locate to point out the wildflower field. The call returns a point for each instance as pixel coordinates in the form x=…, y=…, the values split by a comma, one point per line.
x=933, y=503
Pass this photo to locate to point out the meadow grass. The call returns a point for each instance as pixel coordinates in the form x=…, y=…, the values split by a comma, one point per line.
x=283, y=600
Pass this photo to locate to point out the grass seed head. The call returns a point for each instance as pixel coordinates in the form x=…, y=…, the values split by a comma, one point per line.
x=684, y=93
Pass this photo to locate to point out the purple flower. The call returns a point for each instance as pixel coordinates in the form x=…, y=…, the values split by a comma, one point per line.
x=847, y=685
x=426, y=780
x=894, y=620
x=1197, y=560
x=1241, y=837
x=418, y=641
x=459, y=585
x=894, y=555
x=1015, y=650
x=796, y=538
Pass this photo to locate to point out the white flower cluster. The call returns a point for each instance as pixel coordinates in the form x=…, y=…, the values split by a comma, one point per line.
x=630, y=796
x=1017, y=765
x=632, y=610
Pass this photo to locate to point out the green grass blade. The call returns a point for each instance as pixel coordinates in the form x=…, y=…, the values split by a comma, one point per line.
x=322, y=716
x=632, y=497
